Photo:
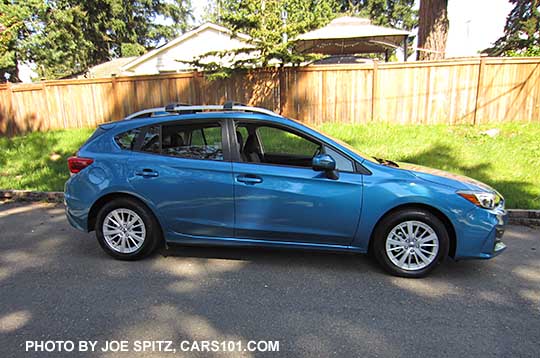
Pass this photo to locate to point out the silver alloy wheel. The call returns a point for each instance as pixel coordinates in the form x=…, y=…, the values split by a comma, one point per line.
x=124, y=230
x=412, y=245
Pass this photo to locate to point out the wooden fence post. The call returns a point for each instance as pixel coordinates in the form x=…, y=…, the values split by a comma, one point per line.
x=374, y=91
x=479, y=85
x=11, y=120
x=48, y=111
x=116, y=102
x=4, y=112
x=197, y=81
x=282, y=91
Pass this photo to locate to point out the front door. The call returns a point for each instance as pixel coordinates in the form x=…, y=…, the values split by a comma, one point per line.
x=279, y=197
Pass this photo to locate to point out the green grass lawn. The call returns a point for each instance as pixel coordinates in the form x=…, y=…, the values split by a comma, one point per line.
x=510, y=162
x=37, y=161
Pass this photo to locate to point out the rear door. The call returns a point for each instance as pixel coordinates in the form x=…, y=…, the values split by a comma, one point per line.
x=182, y=169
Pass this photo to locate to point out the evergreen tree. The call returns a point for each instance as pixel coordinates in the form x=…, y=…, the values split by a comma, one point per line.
x=64, y=37
x=522, y=31
x=15, y=18
x=271, y=24
x=432, y=29
x=392, y=13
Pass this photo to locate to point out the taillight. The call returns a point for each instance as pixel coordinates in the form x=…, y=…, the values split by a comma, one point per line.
x=76, y=164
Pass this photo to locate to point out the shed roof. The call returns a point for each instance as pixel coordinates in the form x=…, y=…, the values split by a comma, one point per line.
x=350, y=35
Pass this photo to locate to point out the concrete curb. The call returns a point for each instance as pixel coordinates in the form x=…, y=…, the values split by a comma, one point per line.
x=515, y=216
x=524, y=217
x=28, y=195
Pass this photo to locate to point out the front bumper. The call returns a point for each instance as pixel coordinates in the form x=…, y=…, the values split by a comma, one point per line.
x=499, y=246
x=494, y=245
x=482, y=238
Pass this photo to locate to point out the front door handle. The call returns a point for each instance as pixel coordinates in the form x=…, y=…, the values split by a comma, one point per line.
x=147, y=173
x=249, y=179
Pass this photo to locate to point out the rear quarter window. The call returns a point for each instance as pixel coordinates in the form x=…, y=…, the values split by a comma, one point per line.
x=126, y=140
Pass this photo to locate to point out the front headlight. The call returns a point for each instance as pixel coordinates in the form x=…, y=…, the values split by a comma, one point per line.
x=481, y=198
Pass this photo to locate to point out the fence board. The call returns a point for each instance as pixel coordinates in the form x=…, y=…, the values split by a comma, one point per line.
x=460, y=91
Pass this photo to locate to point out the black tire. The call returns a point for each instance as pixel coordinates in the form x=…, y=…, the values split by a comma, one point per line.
x=388, y=223
x=153, y=232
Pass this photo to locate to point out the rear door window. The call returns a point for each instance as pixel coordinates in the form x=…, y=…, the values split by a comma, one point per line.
x=194, y=141
x=150, y=141
x=127, y=139
x=182, y=140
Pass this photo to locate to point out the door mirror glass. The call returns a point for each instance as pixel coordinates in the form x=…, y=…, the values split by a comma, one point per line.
x=323, y=163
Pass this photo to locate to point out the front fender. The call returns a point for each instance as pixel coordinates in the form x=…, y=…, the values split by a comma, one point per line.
x=383, y=196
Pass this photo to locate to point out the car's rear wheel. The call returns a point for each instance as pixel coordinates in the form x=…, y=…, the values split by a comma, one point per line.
x=126, y=229
x=410, y=242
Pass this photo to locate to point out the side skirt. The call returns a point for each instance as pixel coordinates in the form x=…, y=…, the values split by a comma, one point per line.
x=176, y=238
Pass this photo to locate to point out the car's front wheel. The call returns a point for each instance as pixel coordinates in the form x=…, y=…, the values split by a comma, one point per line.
x=410, y=242
x=126, y=229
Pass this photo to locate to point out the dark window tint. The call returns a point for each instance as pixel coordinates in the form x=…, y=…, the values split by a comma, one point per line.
x=150, y=142
x=126, y=140
x=195, y=141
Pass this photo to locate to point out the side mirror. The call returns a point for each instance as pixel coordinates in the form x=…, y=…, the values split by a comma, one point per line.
x=325, y=163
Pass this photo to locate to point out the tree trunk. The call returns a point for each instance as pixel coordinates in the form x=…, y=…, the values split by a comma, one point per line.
x=432, y=29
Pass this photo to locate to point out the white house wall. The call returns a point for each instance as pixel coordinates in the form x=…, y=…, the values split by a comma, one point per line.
x=475, y=25
x=199, y=44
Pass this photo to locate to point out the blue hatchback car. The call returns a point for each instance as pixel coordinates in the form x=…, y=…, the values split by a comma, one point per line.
x=244, y=176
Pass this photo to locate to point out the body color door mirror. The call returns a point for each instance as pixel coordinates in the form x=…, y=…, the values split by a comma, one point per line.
x=325, y=163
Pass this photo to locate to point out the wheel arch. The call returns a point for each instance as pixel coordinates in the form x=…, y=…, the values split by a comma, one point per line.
x=433, y=210
x=98, y=204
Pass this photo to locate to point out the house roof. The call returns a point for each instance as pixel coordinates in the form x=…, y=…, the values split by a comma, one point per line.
x=349, y=35
x=180, y=39
x=109, y=68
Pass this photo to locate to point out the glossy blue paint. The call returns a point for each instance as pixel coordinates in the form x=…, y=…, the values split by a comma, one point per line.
x=193, y=197
x=230, y=202
x=296, y=205
x=323, y=162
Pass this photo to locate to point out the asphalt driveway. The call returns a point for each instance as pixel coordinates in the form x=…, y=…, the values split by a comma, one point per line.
x=57, y=284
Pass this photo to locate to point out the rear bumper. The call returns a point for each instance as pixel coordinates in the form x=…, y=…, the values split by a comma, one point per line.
x=77, y=222
x=76, y=211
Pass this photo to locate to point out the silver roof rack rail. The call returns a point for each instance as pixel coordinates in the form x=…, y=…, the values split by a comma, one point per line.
x=187, y=109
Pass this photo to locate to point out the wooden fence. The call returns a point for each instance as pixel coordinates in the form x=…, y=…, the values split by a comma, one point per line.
x=471, y=91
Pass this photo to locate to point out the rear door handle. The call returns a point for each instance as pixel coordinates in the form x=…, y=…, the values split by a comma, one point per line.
x=147, y=173
x=249, y=179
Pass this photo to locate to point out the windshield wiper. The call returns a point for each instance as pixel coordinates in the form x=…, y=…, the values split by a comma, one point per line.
x=386, y=162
